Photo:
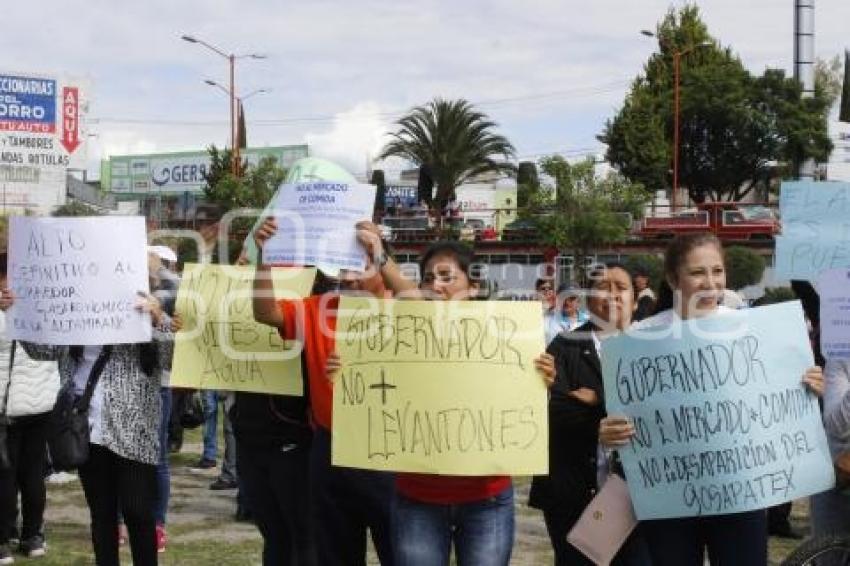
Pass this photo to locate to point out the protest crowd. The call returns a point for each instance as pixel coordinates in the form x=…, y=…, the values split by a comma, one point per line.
x=607, y=479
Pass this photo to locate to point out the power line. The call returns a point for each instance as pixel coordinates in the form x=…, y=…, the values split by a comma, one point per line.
x=574, y=92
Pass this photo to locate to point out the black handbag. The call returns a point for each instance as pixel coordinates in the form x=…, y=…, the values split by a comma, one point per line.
x=5, y=421
x=68, y=437
x=193, y=412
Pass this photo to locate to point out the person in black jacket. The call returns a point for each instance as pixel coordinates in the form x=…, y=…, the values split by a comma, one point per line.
x=576, y=407
x=273, y=440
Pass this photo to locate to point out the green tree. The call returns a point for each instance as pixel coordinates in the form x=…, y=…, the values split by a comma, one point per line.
x=75, y=208
x=733, y=126
x=253, y=188
x=652, y=264
x=579, y=211
x=743, y=267
x=829, y=78
x=773, y=295
x=527, y=181
x=453, y=141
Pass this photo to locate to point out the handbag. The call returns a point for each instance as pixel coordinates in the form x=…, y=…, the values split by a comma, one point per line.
x=606, y=522
x=193, y=411
x=68, y=436
x=5, y=421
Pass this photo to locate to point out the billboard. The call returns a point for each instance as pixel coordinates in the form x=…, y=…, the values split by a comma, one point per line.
x=42, y=135
x=179, y=172
x=400, y=196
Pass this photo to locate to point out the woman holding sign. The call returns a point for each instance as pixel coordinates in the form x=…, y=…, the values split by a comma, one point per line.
x=695, y=271
x=124, y=422
x=434, y=511
x=576, y=406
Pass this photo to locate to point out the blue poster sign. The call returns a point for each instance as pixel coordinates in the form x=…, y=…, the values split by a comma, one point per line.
x=27, y=104
x=815, y=230
x=723, y=423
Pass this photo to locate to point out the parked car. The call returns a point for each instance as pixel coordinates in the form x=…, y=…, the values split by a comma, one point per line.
x=728, y=220
x=522, y=229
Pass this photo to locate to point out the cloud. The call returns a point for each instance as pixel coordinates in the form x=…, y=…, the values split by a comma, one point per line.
x=354, y=139
x=334, y=59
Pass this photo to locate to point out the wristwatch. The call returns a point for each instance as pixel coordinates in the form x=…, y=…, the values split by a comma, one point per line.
x=381, y=259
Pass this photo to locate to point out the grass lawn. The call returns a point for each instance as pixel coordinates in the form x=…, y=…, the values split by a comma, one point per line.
x=202, y=531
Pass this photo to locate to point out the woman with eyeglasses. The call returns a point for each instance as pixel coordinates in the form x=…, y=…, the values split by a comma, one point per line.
x=436, y=512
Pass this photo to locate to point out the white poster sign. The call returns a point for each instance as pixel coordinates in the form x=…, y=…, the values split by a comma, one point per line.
x=316, y=225
x=76, y=280
x=834, y=291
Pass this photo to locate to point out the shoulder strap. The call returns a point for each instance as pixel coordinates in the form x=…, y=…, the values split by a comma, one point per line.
x=94, y=376
x=9, y=382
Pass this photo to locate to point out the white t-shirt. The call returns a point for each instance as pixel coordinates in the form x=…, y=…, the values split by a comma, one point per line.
x=81, y=377
x=669, y=316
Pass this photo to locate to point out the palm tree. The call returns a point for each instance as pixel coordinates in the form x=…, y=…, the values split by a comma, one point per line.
x=453, y=141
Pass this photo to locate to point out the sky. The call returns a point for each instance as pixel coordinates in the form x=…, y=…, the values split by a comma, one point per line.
x=549, y=72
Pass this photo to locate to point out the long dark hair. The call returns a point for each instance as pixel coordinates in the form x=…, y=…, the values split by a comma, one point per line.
x=674, y=257
x=463, y=255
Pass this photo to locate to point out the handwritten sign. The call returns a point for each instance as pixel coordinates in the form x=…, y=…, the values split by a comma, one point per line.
x=834, y=291
x=316, y=225
x=440, y=387
x=221, y=345
x=76, y=280
x=815, y=229
x=723, y=424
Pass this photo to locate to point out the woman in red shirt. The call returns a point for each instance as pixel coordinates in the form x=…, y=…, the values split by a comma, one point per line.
x=433, y=511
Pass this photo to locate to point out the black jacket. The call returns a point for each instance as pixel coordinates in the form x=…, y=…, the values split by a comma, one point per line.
x=270, y=421
x=573, y=428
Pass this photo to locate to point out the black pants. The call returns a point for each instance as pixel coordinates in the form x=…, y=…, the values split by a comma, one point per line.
x=27, y=442
x=778, y=516
x=274, y=481
x=731, y=540
x=633, y=552
x=109, y=481
x=345, y=503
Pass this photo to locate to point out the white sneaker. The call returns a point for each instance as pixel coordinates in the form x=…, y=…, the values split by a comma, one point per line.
x=61, y=478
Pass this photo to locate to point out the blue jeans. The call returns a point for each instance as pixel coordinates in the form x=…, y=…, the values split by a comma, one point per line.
x=163, y=473
x=482, y=532
x=210, y=425
x=211, y=401
x=830, y=513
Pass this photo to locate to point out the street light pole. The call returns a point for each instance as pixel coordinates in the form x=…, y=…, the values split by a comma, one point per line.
x=234, y=154
x=675, y=200
x=235, y=101
x=231, y=59
x=677, y=58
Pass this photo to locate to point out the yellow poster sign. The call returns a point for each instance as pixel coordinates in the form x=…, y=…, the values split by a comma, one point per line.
x=443, y=387
x=221, y=346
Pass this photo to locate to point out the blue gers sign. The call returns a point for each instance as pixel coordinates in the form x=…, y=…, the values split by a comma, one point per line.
x=183, y=171
x=27, y=104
